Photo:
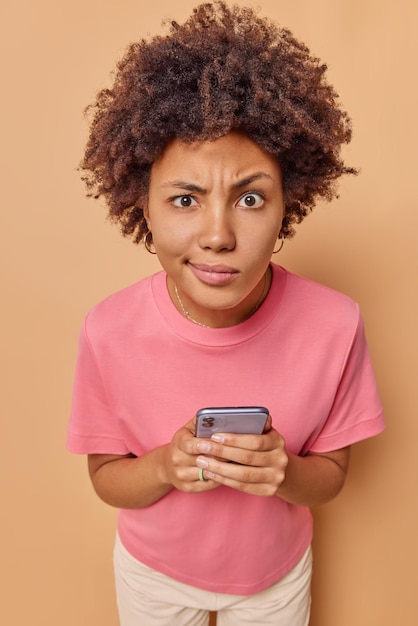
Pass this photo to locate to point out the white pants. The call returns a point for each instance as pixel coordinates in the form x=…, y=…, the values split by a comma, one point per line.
x=148, y=598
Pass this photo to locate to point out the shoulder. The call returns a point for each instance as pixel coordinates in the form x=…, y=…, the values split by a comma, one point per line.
x=308, y=291
x=319, y=305
x=122, y=309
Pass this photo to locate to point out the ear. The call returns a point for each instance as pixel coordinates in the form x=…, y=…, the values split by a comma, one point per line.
x=145, y=212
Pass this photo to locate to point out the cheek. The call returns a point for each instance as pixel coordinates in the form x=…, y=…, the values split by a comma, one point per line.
x=172, y=239
x=261, y=242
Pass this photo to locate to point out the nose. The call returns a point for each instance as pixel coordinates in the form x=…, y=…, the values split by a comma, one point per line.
x=217, y=231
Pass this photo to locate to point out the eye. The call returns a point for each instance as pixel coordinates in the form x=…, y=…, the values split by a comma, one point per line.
x=184, y=201
x=251, y=200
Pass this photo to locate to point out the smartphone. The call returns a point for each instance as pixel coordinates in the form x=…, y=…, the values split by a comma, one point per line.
x=231, y=419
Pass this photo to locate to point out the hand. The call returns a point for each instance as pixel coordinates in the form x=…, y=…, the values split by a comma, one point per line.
x=180, y=464
x=254, y=464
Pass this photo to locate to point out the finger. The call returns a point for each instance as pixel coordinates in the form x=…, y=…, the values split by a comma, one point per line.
x=186, y=440
x=193, y=480
x=248, y=480
x=244, y=449
x=268, y=424
x=240, y=456
x=191, y=426
x=233, y=471
x=264, y=442
x=232, y=454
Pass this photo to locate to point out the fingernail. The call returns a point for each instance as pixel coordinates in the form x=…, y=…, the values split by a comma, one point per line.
x=201, y=461
x=218, y=438
x=204, y=446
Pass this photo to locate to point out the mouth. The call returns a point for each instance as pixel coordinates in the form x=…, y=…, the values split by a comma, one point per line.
x=214, y=274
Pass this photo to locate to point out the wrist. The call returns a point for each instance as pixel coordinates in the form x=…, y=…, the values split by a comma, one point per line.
x=162, y=466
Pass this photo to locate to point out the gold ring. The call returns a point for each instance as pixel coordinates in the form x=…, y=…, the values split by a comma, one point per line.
x=201, y=477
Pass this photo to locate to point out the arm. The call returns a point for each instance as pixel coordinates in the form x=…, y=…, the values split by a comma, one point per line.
x=134, y=482
x=316, y=478
x=262, y=466
x=128, y=481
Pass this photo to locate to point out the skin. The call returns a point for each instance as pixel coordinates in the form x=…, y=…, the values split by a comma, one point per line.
x=215, y=211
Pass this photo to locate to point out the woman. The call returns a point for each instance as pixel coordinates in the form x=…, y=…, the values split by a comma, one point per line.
x=213, y=142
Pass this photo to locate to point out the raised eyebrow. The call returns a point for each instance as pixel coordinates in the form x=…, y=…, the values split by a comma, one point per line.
x=250, y=179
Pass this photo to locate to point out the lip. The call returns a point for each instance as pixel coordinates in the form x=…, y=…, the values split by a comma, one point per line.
x=214, y=274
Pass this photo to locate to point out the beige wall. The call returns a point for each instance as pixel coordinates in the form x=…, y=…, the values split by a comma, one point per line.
x=60, y=257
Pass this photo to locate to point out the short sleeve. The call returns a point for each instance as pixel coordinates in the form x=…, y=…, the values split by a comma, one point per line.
x=93, y=427
x=356, y=412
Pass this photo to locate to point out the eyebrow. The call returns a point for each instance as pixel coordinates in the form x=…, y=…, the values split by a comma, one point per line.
x=180, y=184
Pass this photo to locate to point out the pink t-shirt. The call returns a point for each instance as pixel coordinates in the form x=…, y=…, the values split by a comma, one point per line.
x=144, y=370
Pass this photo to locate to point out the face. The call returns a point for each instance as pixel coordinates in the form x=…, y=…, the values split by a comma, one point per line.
x=215, y=210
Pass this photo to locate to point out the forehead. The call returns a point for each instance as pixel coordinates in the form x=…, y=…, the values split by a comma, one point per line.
x=233, y=155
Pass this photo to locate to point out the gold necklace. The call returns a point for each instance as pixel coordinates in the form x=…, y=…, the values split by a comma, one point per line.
x=186, y=313
x=253, y=310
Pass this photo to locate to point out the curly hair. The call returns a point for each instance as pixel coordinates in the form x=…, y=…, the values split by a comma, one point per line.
x=224, y=69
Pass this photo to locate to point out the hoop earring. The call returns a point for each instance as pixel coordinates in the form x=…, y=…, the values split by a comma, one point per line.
x=281, y=246
x=148, y=242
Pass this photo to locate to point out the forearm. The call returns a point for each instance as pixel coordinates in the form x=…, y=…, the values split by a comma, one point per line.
x=130, y=482
x=314, y=479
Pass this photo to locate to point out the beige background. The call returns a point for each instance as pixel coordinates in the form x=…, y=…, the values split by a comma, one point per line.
x=61, y=257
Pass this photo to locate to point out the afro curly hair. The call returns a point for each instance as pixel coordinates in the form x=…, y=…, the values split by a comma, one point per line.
x=224, y=69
